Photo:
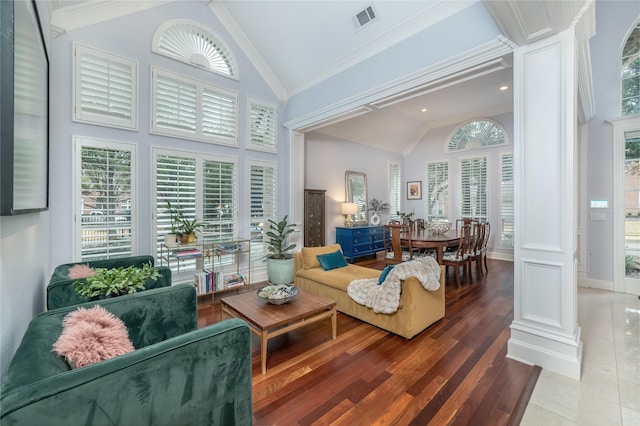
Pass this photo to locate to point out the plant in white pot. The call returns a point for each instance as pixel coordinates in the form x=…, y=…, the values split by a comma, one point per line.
x=279, y=258
x=172, y=239
x=377, y=206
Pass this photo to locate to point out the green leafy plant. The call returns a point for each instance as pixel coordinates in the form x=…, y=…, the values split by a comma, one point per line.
x=188, y=226
x=278, y=246
x=378, y=206
x=116, y=281
x=631, y=263
x=406, y=217
x=175, y=216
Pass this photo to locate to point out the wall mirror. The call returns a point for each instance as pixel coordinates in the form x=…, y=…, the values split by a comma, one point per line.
x=356, y=192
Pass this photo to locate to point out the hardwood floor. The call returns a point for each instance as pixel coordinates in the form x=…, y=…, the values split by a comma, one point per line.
x=455, y=372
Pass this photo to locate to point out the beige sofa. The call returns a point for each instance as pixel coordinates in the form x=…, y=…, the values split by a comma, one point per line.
x=418, y=309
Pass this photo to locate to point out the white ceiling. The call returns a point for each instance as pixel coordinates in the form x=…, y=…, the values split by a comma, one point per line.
x=296, y=44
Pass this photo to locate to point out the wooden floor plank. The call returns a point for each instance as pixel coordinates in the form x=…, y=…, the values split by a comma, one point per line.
x=455, y=372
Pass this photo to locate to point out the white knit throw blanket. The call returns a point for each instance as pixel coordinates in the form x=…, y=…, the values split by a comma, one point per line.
x=385, y=298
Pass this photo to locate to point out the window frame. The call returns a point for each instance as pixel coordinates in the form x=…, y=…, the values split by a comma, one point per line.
x=272, y=121
x=484, y=217
x=428, y=215
x=77, y=204
x=502, y=156
x=258, y=255
x=448, y=147
x=81, y=116
x=200, y=88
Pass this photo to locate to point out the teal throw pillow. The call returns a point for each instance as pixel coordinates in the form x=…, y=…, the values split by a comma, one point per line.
x=385, y=272
x=332, y=260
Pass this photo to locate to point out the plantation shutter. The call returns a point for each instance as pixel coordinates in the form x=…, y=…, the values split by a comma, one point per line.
x=219, y=114
x=106, y=191
x=395, y=190
x=105, y=88
x=262, y=204
x=190, y=109
x=175, y=105
x=220, y=209
x=262, y=126
x=438, y=191
x=175, y=183
x=473, y=178
x=506, y=201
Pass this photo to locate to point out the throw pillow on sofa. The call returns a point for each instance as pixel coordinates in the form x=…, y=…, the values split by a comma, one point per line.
x=385, y=272
x=92, y=335
x=332, y=260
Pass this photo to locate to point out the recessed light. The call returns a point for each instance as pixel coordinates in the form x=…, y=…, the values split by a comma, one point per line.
x=503, y=88
x=423, y=110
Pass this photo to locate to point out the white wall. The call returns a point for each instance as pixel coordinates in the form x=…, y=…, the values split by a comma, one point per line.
x=614, y=21
x=327, y=159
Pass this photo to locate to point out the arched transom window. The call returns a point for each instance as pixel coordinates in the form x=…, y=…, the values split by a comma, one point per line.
x=630, y=83
x=191, y=43
x=476, y=134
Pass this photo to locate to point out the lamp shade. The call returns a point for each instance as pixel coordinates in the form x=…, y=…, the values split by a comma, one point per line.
x=349, y=208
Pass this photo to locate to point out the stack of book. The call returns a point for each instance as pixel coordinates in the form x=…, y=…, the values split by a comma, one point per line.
x=207, y=281
x=233, y=280
x=186, y=253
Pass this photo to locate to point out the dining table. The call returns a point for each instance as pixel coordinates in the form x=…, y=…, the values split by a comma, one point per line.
x=425, y=239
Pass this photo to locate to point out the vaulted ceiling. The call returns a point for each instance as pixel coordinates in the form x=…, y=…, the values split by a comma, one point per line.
x=296, y=44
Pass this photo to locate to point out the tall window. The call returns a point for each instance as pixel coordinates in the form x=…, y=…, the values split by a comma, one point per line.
x=201, y=186
x=507, y=212
x=476, y=134
x=473, y=186
x=395, y=189
x=630, y=84
x=105, y=88
x=437, y=190
x=263, y=203
x=191, y=109
x=104, y=198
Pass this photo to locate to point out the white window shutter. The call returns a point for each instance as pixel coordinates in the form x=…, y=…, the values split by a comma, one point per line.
x=473, y=183
x=438, y=191
x=395, y=189
x=105, y=89
x=262, y=123
x=263, y=204
x=506, y=200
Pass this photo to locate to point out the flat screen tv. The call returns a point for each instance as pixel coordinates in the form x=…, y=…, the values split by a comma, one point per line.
x=24, y=110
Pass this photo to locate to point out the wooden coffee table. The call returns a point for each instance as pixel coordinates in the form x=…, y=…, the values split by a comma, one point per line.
x=267, y=320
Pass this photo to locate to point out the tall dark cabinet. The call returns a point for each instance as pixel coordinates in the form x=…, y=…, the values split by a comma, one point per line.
x=314, y=213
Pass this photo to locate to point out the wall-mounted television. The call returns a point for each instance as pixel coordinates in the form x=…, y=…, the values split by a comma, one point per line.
x=24, y=110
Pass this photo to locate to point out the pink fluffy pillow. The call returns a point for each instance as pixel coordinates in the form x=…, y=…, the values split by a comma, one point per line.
x=81, y=271
x=92, y=335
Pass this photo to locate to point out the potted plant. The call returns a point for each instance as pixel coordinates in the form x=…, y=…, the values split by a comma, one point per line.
x=171, y=239
x=115, y=281
x=377, y=206
x=406, y=218
x=279, y=258
x=188, y=229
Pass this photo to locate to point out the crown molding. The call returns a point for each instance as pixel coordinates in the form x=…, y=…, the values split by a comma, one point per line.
x=378, y=97
x=221, y=12
x=83, y=14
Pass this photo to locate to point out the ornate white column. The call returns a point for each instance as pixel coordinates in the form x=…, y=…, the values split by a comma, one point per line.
x=545, y=330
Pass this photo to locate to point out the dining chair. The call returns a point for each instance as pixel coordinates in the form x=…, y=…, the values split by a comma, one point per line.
x=395, y=251
x=460, y=259
x=485, y=243
x=475, y=246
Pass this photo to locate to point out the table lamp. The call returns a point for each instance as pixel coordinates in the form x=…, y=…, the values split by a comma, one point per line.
x=348, y=210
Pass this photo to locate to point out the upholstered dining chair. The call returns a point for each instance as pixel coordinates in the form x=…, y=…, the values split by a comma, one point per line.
x=460, y=259
x=396, y=252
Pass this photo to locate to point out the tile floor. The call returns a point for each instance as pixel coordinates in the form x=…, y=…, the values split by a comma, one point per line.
x=609, y=391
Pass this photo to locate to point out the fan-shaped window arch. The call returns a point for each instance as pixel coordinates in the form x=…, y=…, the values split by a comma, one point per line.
x=630, y=82
x=476, y=134
x=191, y=43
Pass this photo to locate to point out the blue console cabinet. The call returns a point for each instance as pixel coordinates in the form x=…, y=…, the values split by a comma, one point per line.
x=360, y=241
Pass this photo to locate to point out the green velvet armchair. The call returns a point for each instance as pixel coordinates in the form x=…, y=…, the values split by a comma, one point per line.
x=61, y=292
x=178, y=374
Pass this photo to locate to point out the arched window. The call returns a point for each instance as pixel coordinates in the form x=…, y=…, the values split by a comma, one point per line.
x=193, y=44
x=630, y=83
x=476, y=134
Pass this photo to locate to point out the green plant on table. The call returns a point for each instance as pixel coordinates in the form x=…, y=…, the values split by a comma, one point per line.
x=116, y=281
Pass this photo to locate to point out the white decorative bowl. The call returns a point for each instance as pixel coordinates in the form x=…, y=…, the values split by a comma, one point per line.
x=278, y=294
x=439, y=227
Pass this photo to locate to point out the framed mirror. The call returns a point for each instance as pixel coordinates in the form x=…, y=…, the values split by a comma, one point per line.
x=356, y=192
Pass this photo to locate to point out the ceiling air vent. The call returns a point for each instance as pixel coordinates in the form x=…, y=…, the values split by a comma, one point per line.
x=364, y=17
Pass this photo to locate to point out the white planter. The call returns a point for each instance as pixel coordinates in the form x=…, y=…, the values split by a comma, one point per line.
x=171, y=240
x=374, y=219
